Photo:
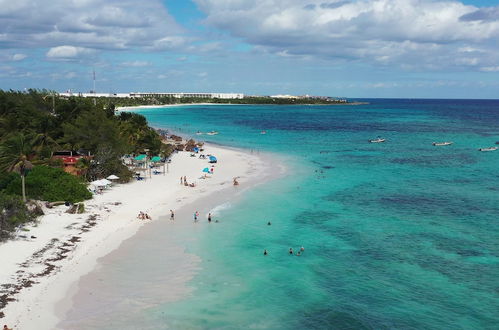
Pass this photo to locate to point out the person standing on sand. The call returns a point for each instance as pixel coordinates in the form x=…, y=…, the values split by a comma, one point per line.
x=181, y=180
x=209, y=217
x=172, y=215
x=196, y=214
x=5, y=327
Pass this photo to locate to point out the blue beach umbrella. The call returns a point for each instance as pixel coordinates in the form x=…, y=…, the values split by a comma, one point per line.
x=206, y=169
x=195, y=149
x=213, y=159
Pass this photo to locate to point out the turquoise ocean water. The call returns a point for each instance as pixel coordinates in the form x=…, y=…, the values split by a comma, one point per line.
x=397, y=235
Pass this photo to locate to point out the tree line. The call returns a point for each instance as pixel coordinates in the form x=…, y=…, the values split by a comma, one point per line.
x=36, y=123
x=164, y=100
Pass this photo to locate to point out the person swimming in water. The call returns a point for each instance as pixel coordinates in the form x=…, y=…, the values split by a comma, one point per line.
x=290, y=251
x=268, y=223
x=265, y=252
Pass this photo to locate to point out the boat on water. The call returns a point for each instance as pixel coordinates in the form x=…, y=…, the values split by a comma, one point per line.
x=442, y=143
x=263, y=132
x=488, y=149
x=199, y=133
x=377, y=140
x=212, y=133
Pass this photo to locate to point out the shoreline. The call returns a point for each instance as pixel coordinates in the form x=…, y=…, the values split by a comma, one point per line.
x=145, y=107
x=142, y=107
x=45, y=269
x=162, y=249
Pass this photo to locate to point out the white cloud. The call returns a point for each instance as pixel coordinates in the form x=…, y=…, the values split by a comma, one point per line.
x=136, y=63
x=68, y=52
x=97, y=24
x=19, y=57
x=490, y=69
x=421, y=33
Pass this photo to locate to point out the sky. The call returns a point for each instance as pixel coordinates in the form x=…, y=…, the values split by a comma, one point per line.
x=342, y=48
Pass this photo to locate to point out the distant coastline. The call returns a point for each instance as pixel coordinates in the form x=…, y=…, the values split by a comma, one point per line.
x=167, y=99
x=151, y=106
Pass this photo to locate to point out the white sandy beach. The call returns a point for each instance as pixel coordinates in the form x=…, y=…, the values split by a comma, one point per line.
x=37, y=273
x=139, y=107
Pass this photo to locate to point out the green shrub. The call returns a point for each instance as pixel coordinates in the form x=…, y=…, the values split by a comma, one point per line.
x=13, y=212
x=7, y=178
x=51, y=184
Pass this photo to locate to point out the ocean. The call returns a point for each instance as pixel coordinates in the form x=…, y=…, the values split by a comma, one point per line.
x=397, y=235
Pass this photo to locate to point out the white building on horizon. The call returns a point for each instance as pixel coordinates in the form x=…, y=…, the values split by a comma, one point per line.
x=151, y=94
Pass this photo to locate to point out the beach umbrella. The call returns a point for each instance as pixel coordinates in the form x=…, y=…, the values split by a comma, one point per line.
x=206, y=170
x=140, y=157
x=105, y=182
x=100, y=183
x=213, y=159
x=113, y=177
x=195, y=149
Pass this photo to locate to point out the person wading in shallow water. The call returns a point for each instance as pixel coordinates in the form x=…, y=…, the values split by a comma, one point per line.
x=172, y=215
x=209, y=217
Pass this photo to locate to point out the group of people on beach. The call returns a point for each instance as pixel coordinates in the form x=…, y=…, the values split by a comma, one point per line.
x=183, y=181
x=196, y=217
x=143, y=216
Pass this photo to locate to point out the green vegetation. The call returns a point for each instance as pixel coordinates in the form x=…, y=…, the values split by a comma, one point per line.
x=32, y=127
x=51, y=184
x=14, y=212
x=158, y=100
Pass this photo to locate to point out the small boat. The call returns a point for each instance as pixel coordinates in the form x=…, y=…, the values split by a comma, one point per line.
x=438, y=144
x=263, y=132
x=212, y=133
x=199, y=133
x=377, y=140
x=488, y=149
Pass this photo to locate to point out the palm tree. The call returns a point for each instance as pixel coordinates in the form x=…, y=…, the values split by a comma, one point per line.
x=43, y=145
x=14, y=153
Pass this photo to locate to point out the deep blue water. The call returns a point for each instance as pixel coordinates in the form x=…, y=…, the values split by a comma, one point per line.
x=399, y=235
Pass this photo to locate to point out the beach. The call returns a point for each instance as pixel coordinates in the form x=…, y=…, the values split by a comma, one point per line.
x=40, y=275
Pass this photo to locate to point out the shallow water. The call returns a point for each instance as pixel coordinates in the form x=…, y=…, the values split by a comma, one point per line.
x=400, y=234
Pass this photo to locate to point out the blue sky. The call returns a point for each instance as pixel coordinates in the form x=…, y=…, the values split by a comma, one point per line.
x=347, y=48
